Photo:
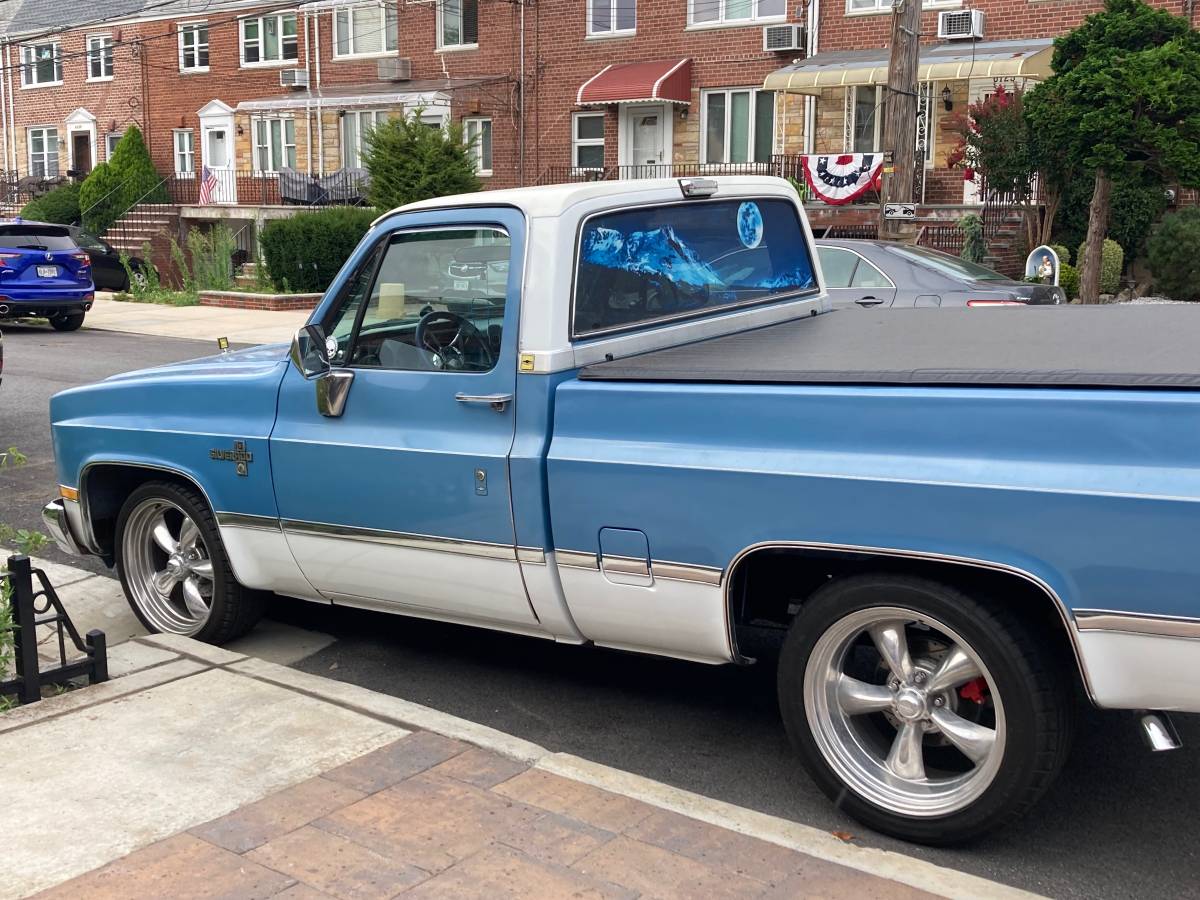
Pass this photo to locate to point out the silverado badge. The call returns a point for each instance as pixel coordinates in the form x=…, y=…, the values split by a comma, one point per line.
x=239, y=454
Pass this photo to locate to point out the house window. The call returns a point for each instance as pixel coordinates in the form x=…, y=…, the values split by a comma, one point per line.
x=100, y=57
x=355, y=126
x=193, y=47
x=587, y=141
x=41, y=64
x=43, y=152
x=269, y=40
x=185, y=152
x=365, y=30
x=868, y=119
x=478, y=135
x=110, y=142
x=612, y=16
x=882, y=6
x=738, y=126
x=735, y=12
x=458, y=23
x=274, y=144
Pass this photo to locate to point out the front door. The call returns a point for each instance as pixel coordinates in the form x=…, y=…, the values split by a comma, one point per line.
x=218, y=159
x=403, y=502
x=81, y=153
x=646, y=138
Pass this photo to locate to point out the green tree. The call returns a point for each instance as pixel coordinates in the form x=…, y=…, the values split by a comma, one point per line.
x=1127, y=87
x=100, y=198
x=409, y=161
x=141, y=182
x=1174, y=255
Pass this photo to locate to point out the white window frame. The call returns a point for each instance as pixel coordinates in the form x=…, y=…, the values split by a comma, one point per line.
x=192, y=28
x=29, y=66
x=261, y=62
x=612, y=30
x=49, y=151
x=111, y=139
x=363, y=119
x=100, y=49
x=721, y=21
x=187, y=153
x=752, y=128
x=390, y=18
x=884, y=7
x=477, y=123
x=878, y=141
x=577, y=141
x=441, y=44
x=268, y=145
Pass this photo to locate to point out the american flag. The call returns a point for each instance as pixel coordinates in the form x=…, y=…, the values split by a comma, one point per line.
x=208, y=184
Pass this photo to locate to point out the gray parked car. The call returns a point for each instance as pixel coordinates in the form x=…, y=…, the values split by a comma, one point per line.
x=882, y=273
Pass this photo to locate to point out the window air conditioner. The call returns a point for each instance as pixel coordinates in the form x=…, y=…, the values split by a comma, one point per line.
x=779, y=38
x=293, y=78
x=960, y=24
x=396, y=68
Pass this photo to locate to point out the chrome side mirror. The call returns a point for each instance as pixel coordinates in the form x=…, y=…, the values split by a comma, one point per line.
x=310, y=355
x=309, y=351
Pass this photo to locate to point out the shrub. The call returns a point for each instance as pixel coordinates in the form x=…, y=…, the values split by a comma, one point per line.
x=1064, y=255
x=1135, y=205
x=1174, y=255
x=306, y=251
x=410, y=161
x=100, y=198
x=974, y=247
x=141, y=182
x=1068, y=279
x=1112, y=262
x=212, y=258
x=60, y=206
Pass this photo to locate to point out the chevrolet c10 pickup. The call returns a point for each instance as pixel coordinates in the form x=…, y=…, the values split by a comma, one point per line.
x=624, y=414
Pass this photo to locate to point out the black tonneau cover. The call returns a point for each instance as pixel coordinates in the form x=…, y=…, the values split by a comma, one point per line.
x=1127, y=346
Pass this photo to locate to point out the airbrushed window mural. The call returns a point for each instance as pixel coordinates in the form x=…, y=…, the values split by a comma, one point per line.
x=642, y=266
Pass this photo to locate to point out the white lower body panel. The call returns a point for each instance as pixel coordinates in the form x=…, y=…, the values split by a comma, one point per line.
x=262, y=559
x=1142, y=671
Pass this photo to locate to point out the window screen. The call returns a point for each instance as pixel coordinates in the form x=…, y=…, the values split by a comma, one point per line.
x=667, y=262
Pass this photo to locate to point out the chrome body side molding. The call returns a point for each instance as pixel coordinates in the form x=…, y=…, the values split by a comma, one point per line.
x=401, y=539
x=576, y=559
x=242, y=520
x=1137, y=623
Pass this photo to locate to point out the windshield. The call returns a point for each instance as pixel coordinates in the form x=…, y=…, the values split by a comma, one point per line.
x=35, y=237
x=947, y=264
x=647, y=265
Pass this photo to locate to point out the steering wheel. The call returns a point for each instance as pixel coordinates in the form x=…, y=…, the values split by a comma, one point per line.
x=450, y=354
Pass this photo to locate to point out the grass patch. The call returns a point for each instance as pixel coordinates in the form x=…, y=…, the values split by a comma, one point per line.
x=162, y=296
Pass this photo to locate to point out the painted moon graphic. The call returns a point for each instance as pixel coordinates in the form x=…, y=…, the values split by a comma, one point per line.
x=750, y=225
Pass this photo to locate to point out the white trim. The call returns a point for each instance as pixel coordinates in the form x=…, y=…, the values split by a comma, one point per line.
x=175, y=154
x=88, y=51
x=752, y=125
x=625, y=133
x=476, y=152
x=577, y=141
x=671, y=71
x=752, y=23
x=583, y=87
x=30, y=66
x=383, y=8
x=439, y=12
x=722, y=22
x=29, y=129
x=614, y=31
x=456, y=48
x=189, y=27
x=81, y=122
x=262, y=63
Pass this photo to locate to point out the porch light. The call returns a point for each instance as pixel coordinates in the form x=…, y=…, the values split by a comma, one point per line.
x=947, y=98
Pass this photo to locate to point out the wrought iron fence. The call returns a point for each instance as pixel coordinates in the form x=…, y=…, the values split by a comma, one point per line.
x=947, y=238
x=782, y=165
x=35, y=604
x=249, y=187
x=16, y=189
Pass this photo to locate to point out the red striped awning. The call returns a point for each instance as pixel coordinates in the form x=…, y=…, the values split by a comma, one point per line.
x=668, y=80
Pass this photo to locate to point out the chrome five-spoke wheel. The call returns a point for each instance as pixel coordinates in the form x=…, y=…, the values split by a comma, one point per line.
x=904, y=712
x=167, y=566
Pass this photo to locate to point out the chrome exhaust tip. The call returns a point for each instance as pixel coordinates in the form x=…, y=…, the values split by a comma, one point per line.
x=1159, y=731
x=3, y=309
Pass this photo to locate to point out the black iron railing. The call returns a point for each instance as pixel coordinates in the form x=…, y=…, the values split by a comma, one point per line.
x=34, y=604
x=786, y=166
x=248, y=187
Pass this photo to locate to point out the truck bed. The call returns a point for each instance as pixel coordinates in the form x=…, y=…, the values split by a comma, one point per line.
x=1128, y=346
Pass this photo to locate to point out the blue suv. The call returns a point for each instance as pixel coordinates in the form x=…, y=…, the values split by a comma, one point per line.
x=44, y=273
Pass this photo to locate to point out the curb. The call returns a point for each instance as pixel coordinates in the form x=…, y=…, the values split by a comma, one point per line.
x=805, y=839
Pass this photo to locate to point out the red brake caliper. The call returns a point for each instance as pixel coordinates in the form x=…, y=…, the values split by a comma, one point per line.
x=975, y=691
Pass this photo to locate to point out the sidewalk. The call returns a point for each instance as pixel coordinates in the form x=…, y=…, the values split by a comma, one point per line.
x=201, y=772
x=205, y=323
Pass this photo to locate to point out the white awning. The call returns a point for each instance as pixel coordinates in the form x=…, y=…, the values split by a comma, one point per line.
x=302, y=100
x=941, y=62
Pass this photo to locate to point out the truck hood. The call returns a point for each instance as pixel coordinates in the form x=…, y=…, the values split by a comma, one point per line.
x=249, y=362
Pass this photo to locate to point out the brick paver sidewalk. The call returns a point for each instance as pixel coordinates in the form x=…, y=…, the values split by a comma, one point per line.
x=428, y=816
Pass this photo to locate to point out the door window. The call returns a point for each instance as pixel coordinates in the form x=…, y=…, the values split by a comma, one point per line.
x=647, y=137
x=838, y=266
x=217, y=155
x=435, y=302
x=867, y=276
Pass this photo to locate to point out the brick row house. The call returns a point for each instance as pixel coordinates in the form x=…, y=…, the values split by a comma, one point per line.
x=548, y=90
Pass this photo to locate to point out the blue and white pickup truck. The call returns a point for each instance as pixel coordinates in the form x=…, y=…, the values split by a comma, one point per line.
x=623, y=414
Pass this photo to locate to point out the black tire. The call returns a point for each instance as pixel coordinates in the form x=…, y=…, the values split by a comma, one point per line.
x=1032, y=681
x=234, y=609
x=67, y=323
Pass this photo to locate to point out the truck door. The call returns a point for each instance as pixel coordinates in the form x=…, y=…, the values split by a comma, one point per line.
x=402, y=502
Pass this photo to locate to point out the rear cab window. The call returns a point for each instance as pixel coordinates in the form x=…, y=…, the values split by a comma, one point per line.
x=657, y=264
x=35, y=237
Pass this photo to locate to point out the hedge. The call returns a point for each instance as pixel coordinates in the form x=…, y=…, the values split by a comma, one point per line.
x=1112, y=262
x=303, y=253
x=1173, y=252
x=60, y=206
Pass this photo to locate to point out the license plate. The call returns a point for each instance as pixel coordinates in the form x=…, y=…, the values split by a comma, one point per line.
x=47, y=271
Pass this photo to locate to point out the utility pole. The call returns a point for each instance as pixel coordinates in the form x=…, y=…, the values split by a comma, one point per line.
x=900, y=123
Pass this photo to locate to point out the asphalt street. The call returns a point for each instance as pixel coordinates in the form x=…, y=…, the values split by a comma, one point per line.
x=1118, y=823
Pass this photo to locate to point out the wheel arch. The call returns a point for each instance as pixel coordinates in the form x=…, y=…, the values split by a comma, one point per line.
x=105, y=484
x=766, y=583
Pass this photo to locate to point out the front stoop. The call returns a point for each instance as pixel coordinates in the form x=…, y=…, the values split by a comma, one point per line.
x=203, y=772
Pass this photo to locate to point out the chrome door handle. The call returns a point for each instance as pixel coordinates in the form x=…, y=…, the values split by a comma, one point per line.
x=495, y=401
x=868, y=301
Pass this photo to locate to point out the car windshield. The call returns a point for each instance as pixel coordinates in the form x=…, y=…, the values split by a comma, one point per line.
x=947, y=264
x=35, y=237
